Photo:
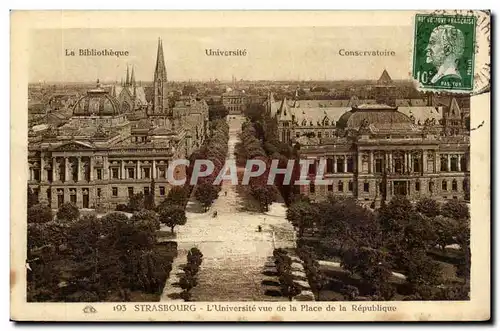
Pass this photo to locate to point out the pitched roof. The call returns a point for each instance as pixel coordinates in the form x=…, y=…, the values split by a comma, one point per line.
x=454, y=107
x=422, y=113
x=411, y=102
x=318, y=115
x=384, y=78
x=284, y=113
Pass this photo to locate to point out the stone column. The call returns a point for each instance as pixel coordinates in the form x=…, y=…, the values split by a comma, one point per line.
x=334, y=163
x=370, y=165
x=345, y=163
x=449, y=162
x=79, y=175
x=138, y=176
x=91, y=170
x=105, y=168
x=153, y=169
x=390, y=163
x=53, y=198
x=122, y=170
x=424, y=161
x=359, y=163
x=410, y=162
x=43, y=172
x=407, y=162
x=66, y=169
x=459, y=162
x=437, y=162
x=55, y=170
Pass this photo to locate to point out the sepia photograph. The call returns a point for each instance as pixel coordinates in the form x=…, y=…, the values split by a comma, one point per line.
x=270, y=170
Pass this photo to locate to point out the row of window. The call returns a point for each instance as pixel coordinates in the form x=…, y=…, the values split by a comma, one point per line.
x=130, y=190
x=340, y=187
x=340, y=163
x=131, y=172
x=115, y=174
x=366, y=186
x=398, y=163
x=444, y=185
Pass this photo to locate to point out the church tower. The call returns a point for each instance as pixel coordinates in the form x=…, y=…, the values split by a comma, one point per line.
x=127, y=79
x=160, y=100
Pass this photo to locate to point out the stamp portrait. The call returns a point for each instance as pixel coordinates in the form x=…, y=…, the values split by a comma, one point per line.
x=443, y=57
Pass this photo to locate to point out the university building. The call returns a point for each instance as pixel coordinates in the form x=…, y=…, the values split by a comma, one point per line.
x=100, y=157
x=411, y=147
x=235, y=102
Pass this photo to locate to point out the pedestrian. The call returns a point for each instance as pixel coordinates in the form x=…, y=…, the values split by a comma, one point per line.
x=225, y=193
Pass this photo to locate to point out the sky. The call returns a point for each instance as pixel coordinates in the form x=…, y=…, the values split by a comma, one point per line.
x=277, y=53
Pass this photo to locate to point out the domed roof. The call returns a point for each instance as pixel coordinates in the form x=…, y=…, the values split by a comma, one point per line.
x=97, y=102
x=372, y=114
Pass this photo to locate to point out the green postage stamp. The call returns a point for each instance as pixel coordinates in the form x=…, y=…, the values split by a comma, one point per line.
x=443, y=54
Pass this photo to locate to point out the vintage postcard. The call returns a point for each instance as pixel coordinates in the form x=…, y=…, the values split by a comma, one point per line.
x=250, y=166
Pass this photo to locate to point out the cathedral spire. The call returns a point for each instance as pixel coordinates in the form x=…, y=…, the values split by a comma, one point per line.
x=127, y=80
x=160, y=70
x=132, y=77
x=160, y=99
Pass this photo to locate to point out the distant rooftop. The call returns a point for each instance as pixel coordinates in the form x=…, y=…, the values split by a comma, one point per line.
x=374, y=106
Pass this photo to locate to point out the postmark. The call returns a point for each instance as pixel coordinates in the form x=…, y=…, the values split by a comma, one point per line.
x=444, y=52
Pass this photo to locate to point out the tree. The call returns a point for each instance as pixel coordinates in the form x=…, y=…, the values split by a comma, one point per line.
x=178, y=196
x=463, y=239
x=147, y=216
x=39, y=214
x=216, y=110
x=284, y=266
x=302, y=215
x=188, y=279
x=454, y=293
x=445, y=229
x=422, y=270
x=314, y=275
x=288, y=287
x=265, y=195
x=68, y=212
x=255, y=111
x=392, y=217
x=32, y=198
x=350, y=292
x=173, y=216
x=371, y=265
x=135, y=202
x=455, y=209
x=345, y=223
x=149, y=199
x=418, y=233
x=206, y=194
x=428, y=207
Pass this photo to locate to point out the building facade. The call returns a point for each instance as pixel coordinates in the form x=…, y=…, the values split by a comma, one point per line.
x=235, y=102
x=100, y=157
x=412, y=147
x=376, y=161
